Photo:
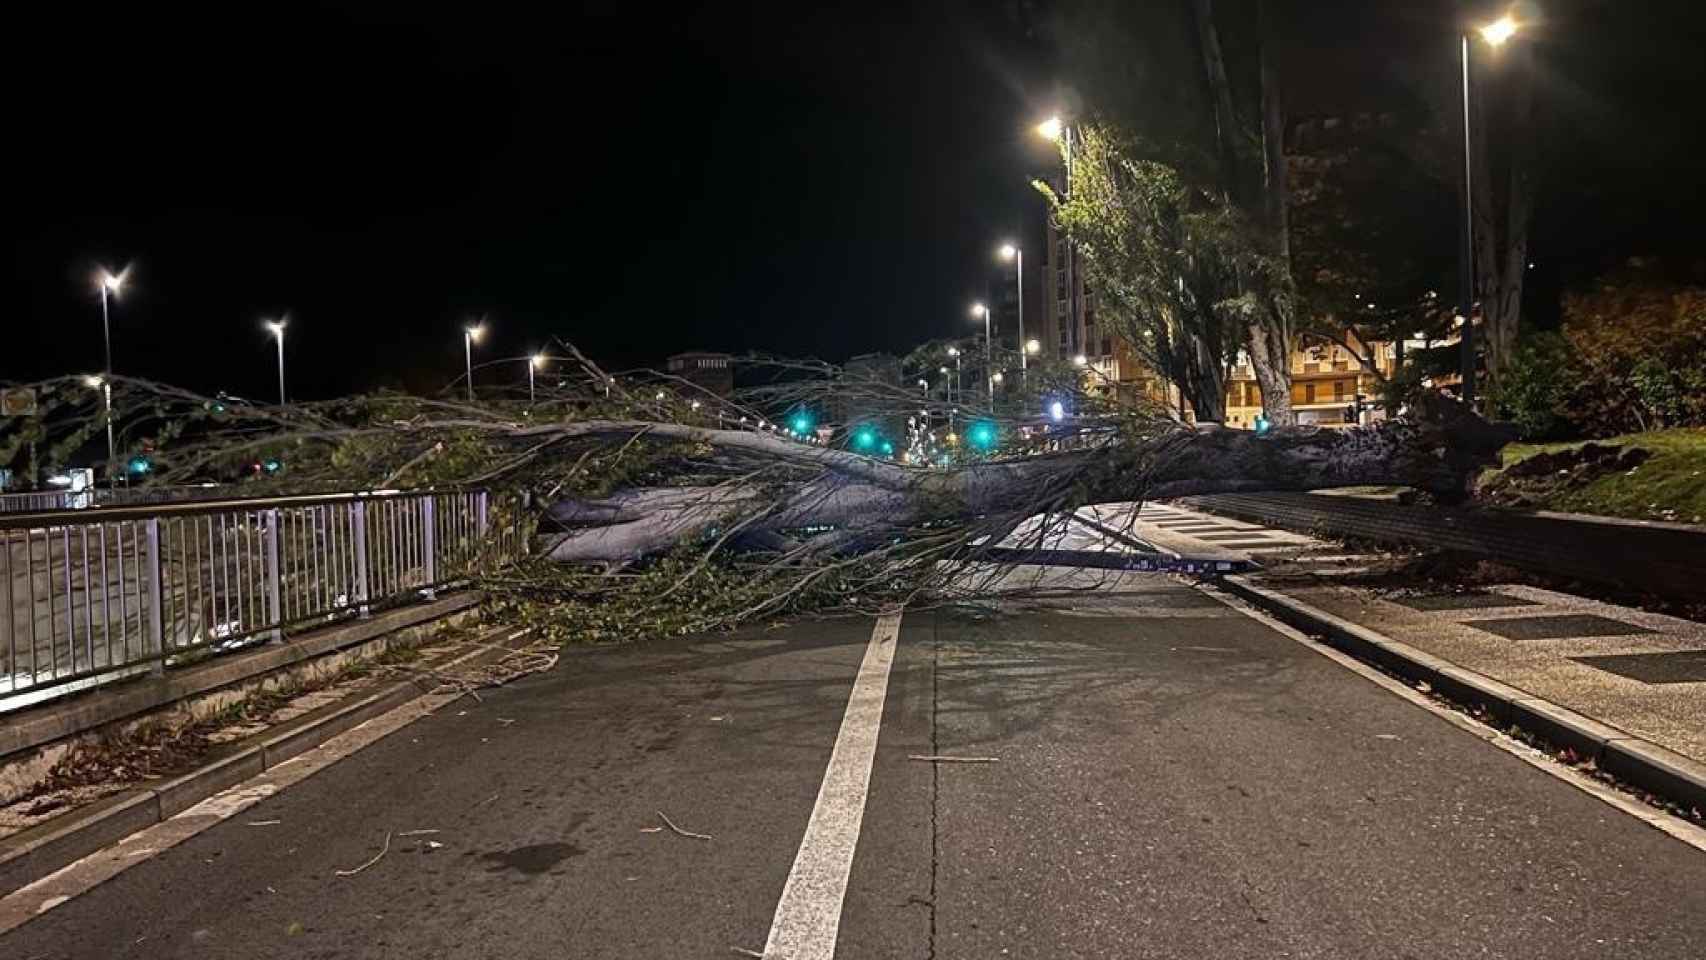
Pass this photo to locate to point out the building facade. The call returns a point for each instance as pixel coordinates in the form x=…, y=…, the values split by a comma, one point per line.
x=709, y=371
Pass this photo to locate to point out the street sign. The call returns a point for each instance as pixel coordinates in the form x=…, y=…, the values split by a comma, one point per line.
x=18, y=402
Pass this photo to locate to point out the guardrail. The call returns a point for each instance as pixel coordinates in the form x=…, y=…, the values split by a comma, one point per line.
x=93, y=596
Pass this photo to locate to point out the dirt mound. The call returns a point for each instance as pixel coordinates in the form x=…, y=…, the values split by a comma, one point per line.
x=1532, y=482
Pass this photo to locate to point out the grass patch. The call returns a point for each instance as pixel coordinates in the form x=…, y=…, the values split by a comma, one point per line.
x=1669, y=486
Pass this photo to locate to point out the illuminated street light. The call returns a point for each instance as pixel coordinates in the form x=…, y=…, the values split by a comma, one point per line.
x=470, y=335
x=1033, y=346
x=1500, y=30
x=1496, y=34
x=988, y=315
x=533, y=363
x=998, y=377
x=93, y=382
x=1080, y=361
x=277, y=329
x=110, y=284
x=1058, y=132
x=1013, y=253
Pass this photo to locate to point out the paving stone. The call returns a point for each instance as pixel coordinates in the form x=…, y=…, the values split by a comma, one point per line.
x=1472, y=600
x=1235, y=535
x=1683, y=666
x=1557, y=627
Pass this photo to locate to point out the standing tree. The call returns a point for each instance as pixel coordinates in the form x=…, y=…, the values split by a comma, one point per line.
x=1180, y=95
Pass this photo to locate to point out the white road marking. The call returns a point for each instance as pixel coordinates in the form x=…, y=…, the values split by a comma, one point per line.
x=808, y=916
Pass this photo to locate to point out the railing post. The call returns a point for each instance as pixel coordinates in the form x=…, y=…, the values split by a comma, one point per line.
x=480, y=506
x=270, y=537
x=358, y=523
x=152, y=594
x=429, y=544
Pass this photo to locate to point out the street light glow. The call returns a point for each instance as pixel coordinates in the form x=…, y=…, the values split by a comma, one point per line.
x=1033, y=346
x=111, y=281
x=475, y=332
x=276, y=327
x=978, y=309
x=997, y=378
x=1500, y=30
x=1050, y=129
x=1008, y=251
x=1080, y=360
x=953, y=351
x=92, y=381
x=538, y=360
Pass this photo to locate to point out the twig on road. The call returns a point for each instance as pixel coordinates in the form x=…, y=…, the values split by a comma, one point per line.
x=685, y=833
x=418, y=833
x=376, y=857
x=746, y=953
x=264, y=823
x=933, y=758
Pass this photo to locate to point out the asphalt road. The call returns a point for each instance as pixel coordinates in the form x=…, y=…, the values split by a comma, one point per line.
x=1174, y=779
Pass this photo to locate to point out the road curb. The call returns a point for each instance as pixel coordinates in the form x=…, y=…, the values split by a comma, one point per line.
x=1634, y=760
x=31, y=854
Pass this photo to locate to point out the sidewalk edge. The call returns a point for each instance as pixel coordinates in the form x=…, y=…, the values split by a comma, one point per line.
x=32, y=854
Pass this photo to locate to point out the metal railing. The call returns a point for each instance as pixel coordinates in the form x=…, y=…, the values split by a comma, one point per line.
x=92, y=596
x=34, y=501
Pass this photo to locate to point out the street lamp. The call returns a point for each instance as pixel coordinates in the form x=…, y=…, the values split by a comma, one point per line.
x=277, y=328
x=1033, y=346
x=470, y=335
x=1013, y=253
x=533, y=363
x=1496, y=34
x=1080, y=361
x=1055, y=131
x=979, y=310
x=110, y=284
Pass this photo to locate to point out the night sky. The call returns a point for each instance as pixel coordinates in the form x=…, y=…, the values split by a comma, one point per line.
x=802, y=179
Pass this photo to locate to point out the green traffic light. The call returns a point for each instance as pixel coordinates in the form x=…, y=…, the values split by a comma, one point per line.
x=982, y=435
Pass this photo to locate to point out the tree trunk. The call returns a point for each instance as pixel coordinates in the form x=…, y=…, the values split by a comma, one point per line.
x=1440, y=451
x=1270, y=358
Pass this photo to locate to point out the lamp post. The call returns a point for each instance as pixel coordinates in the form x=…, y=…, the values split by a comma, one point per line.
x=979, y=310
x=1496, y=34
x=109, y=284
x=1013, y=253
x=469, y=335
x=277, y=328
x=533, y=363
x=1056, y=131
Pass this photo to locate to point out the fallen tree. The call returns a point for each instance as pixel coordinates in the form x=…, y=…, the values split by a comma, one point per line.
x=647, y=493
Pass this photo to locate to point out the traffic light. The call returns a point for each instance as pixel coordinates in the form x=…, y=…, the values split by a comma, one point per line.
x=864, y=438
x=272, y=465
x=801, y=422
x=1263, y=424
x=982, y=434
x=139, y=465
